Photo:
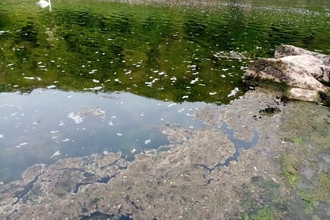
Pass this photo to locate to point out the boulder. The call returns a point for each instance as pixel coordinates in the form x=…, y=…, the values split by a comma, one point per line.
x=301, y=74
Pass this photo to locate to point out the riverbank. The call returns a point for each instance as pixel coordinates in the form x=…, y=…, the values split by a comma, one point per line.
x=257, y=157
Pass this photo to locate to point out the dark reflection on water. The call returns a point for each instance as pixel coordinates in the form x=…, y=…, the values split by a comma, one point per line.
x=64, y=67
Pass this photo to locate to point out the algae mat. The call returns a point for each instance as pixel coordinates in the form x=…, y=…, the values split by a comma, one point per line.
x=257, y=158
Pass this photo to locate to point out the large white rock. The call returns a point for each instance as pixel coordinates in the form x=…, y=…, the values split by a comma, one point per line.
x=305, y=73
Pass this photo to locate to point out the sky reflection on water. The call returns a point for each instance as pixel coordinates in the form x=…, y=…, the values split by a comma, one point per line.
x=46, y=125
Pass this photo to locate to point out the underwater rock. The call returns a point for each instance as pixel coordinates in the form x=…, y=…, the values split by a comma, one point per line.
x=301, y=74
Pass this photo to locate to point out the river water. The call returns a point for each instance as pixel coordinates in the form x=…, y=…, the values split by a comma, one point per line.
x=98, y=77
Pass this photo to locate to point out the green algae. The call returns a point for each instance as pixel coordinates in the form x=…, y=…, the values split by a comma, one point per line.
x=298, y=140
x=289, y=169
x=261, y=199
x=309, y=201
x=264, y=213
x=307, y=129
x=163, y=149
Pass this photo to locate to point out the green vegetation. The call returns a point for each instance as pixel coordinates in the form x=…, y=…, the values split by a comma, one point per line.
x=262, y=214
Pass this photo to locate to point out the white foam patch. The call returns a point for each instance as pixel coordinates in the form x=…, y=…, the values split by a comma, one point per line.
x=77, y=118
x=1, y=135
x=147, y=141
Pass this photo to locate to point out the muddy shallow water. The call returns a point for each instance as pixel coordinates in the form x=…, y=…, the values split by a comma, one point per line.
x=284, y=175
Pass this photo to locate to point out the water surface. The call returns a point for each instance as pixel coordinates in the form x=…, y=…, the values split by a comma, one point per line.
x=96, y=77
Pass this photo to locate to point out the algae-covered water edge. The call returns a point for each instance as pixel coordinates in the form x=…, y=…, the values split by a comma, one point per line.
x=97, y=77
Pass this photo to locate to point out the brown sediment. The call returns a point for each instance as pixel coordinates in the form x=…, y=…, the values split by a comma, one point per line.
x=274, y=175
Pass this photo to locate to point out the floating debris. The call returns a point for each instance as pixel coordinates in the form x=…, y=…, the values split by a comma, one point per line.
x=51, y=87
x=170, y=105
x=84, y=112
x=233, y=92
x=2, y=32
x=93, y=71
x=77, y=118
x=194, y=81
x=230, y=55
x=55, y=154
x=29, y=78
x=94, y=88
x=22, y=144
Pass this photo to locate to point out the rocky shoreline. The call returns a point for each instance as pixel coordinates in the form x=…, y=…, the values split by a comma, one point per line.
x=299, y=73
x=283, y=173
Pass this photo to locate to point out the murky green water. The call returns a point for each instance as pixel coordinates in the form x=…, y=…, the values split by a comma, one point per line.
x=92, y=77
